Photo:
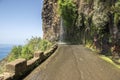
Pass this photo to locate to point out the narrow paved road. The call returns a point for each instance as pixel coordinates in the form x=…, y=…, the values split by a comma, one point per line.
x=74, y=62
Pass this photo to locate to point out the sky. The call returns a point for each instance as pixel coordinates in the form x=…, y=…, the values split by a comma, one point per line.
x=20, y=20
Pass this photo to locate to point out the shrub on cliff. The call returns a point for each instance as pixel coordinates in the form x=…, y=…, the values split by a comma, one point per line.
x=15, y=53
x=26, y=51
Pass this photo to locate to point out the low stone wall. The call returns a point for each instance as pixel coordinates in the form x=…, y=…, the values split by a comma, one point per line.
x=20, y=67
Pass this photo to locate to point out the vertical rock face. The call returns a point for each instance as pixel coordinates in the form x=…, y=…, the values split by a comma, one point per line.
x=93, y=16
x=51, y=20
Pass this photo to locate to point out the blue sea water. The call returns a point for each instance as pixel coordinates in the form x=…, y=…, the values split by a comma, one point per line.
x=5, y=50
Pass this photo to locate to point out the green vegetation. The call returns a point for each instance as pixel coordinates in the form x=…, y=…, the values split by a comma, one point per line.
x=68, y=13
x=27, y=51
x=67, y=10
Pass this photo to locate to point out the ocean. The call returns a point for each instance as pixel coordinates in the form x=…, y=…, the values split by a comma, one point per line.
x=5, y=50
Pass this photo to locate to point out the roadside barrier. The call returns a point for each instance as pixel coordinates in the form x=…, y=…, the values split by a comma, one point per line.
x=19, y=68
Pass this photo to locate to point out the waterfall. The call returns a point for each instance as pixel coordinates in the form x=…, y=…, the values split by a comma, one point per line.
x=62, y=32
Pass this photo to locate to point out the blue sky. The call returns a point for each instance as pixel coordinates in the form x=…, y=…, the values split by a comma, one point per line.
x=20, y=20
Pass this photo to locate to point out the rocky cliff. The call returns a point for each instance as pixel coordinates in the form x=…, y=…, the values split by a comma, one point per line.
x=93, y=18
x=51, y=20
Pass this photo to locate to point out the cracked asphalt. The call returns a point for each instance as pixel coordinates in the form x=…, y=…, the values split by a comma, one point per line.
x=74, y=62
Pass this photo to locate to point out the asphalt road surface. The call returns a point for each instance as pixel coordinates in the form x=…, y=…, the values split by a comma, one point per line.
x=74, y=62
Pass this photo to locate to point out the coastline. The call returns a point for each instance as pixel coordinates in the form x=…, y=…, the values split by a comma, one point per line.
x=6, y=51
x=2, y=64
